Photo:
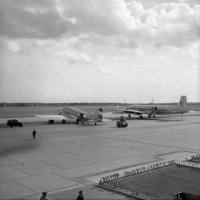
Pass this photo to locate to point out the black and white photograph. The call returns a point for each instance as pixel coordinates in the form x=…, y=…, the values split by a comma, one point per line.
x=99, y=99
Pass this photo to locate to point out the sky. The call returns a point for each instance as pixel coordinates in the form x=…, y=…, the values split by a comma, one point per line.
x=99, y=50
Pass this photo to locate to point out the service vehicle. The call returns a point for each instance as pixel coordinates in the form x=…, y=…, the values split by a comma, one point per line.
x=14, y=122
x=122, y=122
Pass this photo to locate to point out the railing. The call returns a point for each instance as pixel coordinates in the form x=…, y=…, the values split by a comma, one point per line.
x=134, y=193
x=108, y=181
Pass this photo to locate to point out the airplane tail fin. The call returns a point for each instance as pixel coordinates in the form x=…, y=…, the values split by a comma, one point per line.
x=98, y=115
x=183, y=102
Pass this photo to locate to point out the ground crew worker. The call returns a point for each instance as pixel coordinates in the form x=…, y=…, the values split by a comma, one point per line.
x=34, y=133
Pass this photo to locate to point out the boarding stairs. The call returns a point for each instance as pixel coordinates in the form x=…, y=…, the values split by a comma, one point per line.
x=152, y=114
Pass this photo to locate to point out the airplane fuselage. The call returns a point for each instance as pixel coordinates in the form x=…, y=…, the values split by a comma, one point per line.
x=82, y=116
x=159, y=109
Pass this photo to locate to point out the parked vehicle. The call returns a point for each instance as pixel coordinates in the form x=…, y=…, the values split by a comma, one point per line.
x=14, y=122
x=122, y=122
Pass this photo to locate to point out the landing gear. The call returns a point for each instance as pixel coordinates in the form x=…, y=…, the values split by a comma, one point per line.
x=141, y=117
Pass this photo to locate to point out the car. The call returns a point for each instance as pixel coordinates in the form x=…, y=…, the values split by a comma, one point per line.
x=122, y=122
x=14, y=122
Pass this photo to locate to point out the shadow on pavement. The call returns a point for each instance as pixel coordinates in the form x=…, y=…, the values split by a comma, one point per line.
x=19, y=146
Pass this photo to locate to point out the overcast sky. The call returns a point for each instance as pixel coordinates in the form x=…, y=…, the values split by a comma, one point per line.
x=99, y=50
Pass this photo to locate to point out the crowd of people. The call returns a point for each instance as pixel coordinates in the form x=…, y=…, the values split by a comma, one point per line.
x=79, y=197
x=137, y=170
x=195, y=158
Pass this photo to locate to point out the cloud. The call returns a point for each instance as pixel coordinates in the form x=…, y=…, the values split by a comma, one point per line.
x=177, y=24
x=194, y=50
x=139, y=52
x=181, y=1
x=74, y=56
x=101, y=57
x=31, y=19
x=65, y=49
x=163, y=57
x=196, y=67
x=105, y=71
x=13, y=46
x=120, y=23
x=121, y=58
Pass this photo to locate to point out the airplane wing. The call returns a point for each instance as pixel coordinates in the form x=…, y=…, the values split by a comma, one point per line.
x=107, y=120
x=51, y=116
x=131, y=111
x=38, y=119
x=56, y=117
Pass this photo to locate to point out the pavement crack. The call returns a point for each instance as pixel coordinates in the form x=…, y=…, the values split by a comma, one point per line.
x=24, y=186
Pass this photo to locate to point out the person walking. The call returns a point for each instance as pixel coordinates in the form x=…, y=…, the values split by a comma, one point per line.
x=43, y=197
x=34, y=133
x=80, y=196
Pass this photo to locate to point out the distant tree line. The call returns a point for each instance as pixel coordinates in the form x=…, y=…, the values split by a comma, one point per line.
x=191, y=105
x=61, y=104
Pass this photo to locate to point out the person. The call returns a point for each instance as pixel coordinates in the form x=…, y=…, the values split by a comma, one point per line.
x=80, y=119
x=43, y=197
x=34, y=133
x=100, y=182
x=80, y=196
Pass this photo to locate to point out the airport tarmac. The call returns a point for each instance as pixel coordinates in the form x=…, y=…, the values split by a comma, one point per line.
x=66, y=156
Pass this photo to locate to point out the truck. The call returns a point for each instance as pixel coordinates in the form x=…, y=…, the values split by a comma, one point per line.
x=122, y=122
x=14, y=122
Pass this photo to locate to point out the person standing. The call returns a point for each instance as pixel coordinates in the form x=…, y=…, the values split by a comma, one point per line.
x=34, y=133
x=80, y=196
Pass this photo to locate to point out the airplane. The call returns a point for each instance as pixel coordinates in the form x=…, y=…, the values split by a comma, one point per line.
x=153, y=109
x=68, y=115
x=74, y=115
x=81, y=116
